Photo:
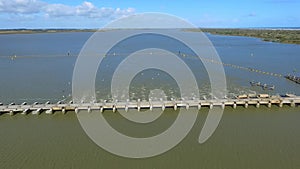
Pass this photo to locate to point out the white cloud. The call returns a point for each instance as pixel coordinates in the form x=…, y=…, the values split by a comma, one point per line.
x=21, y=6
x=86, y=9
x=58, y=10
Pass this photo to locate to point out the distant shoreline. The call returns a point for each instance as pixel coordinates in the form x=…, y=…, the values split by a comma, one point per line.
x=33, y=31
x=280, y=35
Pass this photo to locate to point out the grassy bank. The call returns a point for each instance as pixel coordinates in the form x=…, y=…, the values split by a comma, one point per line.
x=282, y=36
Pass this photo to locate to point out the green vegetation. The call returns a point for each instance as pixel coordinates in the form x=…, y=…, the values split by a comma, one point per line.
x=282, y=36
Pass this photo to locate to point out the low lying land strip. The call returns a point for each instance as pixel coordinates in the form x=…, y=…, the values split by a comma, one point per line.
x=278, y=35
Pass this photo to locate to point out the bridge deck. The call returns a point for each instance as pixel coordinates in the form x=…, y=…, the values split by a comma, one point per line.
x=50, y=108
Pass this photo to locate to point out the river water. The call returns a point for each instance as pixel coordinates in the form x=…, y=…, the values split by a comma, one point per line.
x=246, y=138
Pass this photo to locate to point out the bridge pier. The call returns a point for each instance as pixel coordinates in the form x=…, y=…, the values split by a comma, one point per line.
x=269, y=104
x=114, y=108
x=187, y=106
x=139, y=105
x=257, y=104
x=163, y=107
x=199, y=106
x=234, y=105
x=50, y=111
x=37, y=112
x=211, y=106
x=11, y=113
x=281, y=104
x=25, y=112
x=246, y=105
x=175, y=106
x=63, y=110
x=293, y=103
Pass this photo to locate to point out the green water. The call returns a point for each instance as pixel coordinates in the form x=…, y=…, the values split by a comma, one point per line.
x=246, y=138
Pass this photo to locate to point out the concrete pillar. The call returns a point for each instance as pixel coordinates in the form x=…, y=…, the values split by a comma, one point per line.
x=175, y=106
x=187, y=106
x=25, y=111
x=257, y=104
x=246, y=105
x=38, y=111
x=269, y=104
x=293, y=103
x=199, y=106
x=223, y=106
x=139, y=105
x=101, y=109
x=89, y=109
x=11, y=112
x=63, y=111
x=50, y=111
x=281, y=104
x=76, y=110
x=234, y=105
x=114, y=108
x=211, y=106
x=126, y=108
x=163, y=107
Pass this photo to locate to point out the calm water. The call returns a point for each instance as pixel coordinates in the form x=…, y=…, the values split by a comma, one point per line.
x=43, y=69
x=245, y=138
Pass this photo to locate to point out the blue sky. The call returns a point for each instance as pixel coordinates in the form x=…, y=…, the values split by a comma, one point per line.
x=96, y=13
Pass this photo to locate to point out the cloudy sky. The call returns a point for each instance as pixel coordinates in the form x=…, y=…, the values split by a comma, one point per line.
x=96, y=13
